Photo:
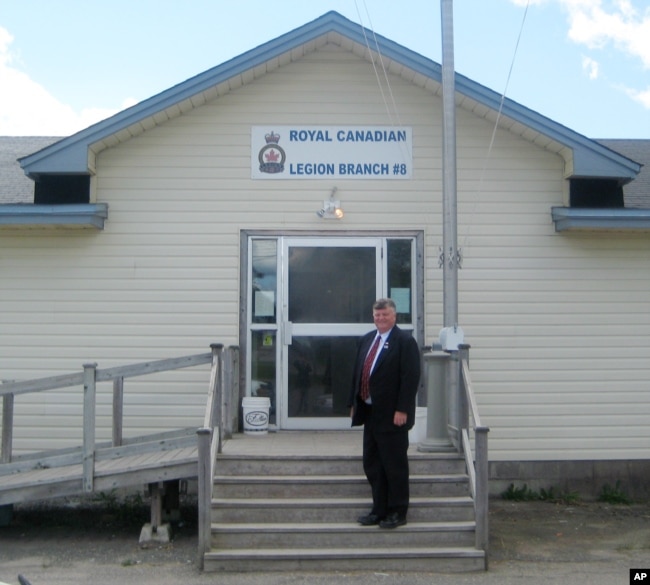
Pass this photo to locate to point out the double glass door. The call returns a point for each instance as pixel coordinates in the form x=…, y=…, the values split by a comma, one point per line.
x=314, y=299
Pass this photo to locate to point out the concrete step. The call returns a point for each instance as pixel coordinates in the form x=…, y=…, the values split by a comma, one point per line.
x=255, y=486
x=295, y=510
x=430, y=559
x=426, y=463
x=343, y=534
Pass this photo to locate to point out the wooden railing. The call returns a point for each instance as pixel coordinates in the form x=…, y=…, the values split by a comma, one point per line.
x=220, y=418
x=89, y=378
x=219, y=421
x=476, y=460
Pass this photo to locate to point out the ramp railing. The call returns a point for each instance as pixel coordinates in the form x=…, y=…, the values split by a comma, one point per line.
x=88, y=378
x=219, y=421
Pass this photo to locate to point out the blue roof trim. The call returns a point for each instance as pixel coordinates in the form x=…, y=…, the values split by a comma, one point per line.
x=574, y=218
x=70, y=155
x=80, y=215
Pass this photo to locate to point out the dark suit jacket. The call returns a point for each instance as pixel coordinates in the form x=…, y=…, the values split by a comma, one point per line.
x=393, y=382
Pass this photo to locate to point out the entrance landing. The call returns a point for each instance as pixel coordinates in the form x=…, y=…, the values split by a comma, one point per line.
x=301, y=443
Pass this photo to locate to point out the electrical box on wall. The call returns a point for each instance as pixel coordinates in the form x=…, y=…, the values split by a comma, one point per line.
x=451, y=338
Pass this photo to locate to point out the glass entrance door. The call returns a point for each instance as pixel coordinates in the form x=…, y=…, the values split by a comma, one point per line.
x=328, y=289
x=309, y=301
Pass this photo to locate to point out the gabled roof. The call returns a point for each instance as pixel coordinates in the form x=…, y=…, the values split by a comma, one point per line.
x=76, y=154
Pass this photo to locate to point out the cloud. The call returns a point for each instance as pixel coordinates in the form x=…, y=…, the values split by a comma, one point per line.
x=620, y=23
x=28, y=109
x=590, y=67
x=643, y=97
x=599, y=24
x=596, y=23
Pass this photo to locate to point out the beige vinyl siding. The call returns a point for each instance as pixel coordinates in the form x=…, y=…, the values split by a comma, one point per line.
x=561, y=346
x=559, y=324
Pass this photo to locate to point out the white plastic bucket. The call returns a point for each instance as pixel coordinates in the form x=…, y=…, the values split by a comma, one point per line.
x=256, y=415
x=419, y=431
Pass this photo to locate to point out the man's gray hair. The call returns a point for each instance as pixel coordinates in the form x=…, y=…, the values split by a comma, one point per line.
x=384, y=304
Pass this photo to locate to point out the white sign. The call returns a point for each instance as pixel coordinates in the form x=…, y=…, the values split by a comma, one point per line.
x=326, y=152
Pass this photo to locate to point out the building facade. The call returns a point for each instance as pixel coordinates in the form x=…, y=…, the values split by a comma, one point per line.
x=267, y=202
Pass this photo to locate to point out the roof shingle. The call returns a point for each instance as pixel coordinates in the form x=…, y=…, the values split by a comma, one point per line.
x=637, y=192
x=15, y=187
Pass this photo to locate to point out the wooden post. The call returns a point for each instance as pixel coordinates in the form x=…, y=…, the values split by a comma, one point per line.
x=482, y=495
x=118, y=410
x=230, y=402
x=215, y=377
x=156, y=490
x=204, y=438
x=235, y=391
x=7, y=427
x=171, y=503
x=90, y=374
x=217, y=382
x=156, y=531
x=457, y=387
x=6, y=511
x=226, y=399
x=463, y=418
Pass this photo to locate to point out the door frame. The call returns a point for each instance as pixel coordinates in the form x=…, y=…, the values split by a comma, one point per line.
x=288, y=329
x=245, y=305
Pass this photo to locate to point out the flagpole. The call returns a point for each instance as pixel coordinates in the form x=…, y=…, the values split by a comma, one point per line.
x=441, y=370
x=450, y=256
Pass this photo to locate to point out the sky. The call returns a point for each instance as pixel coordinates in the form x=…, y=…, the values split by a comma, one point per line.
x=67, y=64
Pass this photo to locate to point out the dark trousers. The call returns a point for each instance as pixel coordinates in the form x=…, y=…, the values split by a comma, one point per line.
x=385, y=463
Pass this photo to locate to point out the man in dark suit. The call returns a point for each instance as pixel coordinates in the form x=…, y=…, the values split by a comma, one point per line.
x=384, y=386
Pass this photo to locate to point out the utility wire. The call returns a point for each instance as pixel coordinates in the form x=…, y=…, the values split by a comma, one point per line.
x=394, y=104
x=383, y=67
x=372, y=59
x=496, y=122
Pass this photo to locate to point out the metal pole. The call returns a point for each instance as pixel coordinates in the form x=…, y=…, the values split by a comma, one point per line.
x=449, y=206
x=437, y=438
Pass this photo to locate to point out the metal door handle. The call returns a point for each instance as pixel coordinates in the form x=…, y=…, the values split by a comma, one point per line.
x=287, y=332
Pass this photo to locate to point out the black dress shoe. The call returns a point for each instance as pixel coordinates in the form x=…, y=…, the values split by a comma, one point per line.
x=369, y=520
x=393, y=521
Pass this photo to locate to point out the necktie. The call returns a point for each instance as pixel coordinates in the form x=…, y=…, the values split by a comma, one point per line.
x=367, y=366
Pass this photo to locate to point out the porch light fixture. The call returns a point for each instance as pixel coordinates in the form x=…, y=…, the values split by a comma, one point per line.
x=331, y=208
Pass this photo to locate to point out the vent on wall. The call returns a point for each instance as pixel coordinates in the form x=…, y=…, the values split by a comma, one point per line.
x=62, y=189
x=596, y=193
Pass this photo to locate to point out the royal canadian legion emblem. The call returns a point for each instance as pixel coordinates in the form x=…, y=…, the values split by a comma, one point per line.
x=272, y=155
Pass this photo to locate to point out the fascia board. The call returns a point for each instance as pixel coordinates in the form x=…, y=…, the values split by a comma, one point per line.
x=70, y=155
x=574, y=218
x=77, y=215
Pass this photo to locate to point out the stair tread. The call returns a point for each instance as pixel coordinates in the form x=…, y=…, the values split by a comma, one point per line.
x=348, y=552
x=446, y=477
x=448, y=526
x=292, y=502
x=413, y=456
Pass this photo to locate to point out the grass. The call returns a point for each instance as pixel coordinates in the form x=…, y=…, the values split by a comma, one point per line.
x=608, y=495
x=525, y=494
x=614, y=495
x=105, y=511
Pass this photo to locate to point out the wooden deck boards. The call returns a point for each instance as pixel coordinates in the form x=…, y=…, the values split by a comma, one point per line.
x=136, y=464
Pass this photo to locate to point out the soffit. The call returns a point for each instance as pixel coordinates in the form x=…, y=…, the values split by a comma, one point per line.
x=392, y=66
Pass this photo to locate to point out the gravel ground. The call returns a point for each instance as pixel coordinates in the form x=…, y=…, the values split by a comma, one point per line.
x=531, y=542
